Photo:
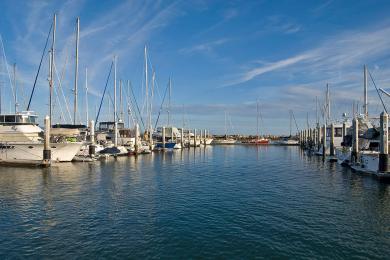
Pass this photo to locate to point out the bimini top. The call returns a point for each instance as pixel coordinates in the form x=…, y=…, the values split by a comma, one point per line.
x=19, y=118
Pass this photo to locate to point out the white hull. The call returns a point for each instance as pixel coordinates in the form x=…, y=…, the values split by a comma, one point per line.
x=192, y=142
x=208, y=141
x=288, y=142
x=60, y=152
x=228, y=141
x=177, y=146
x=369, y=161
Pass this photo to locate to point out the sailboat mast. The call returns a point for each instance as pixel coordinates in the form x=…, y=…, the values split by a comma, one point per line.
x=120, y=101
x=128, y=104
x=290, y=123
x=16, y=92
x=257, y=119
x=169, y=101
x=317, y=116
x=52, y=65
x=76, y=73
x=365, y=92
x=151, y=108
x=86, y=96
x=115, y=121
x=328, y=103
x=225, y=126
x=146, y=85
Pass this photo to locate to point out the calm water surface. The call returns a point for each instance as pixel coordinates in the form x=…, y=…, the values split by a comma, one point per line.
x=226, y=202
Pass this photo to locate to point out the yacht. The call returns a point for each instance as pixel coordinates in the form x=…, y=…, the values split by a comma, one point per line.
x=21, y=139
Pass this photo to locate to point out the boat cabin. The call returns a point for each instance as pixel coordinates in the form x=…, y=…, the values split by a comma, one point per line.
x=109, y=126
x=21, y=118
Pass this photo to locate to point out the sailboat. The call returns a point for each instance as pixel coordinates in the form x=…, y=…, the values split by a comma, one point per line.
x=227, y=140
x=172, y=134
x=258, y=140
x=115, y=149
x=288, y=140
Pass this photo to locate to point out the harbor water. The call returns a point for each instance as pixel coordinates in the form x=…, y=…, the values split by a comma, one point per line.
x=221, y=201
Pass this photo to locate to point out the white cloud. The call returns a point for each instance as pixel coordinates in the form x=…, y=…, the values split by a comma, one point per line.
x=204, y=47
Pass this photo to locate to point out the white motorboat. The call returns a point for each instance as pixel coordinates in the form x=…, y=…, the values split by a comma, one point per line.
x=21, y=140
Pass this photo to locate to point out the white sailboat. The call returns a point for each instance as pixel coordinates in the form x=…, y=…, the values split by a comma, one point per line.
x=227, y=140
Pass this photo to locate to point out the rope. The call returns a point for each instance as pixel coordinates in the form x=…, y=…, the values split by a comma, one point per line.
x=39, y=68
x=377, y=91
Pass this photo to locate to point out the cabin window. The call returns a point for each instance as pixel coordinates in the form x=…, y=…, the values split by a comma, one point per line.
x=31, y=119
x=10, y=119
x=338, y=132
x=1, y=119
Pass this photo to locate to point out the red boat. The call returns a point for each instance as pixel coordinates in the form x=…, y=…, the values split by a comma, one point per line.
x=259, y=141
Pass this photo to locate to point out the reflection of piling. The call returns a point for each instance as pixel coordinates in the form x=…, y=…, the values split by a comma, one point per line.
x=204, y=141
x=46, y=149
x=332, y=139
x=384, y=148
x=324, y=141
x=355, y=141
x=92, y=147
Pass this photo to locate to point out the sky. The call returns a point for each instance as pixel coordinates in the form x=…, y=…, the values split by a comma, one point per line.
x=223, y=57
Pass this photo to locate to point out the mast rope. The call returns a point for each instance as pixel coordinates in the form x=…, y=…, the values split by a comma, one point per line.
x=39, y=68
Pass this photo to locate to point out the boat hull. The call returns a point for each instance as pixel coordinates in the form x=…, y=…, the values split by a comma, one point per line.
x=60, y=152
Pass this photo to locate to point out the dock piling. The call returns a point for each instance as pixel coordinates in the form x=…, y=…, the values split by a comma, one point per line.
x=344, y=133
x=182, y=138
x=324, y=141
x=91, y=147
x=163, y=138
x=332, y=139
x=46, y=149
x=384, y=145
x=355, y=141
x=194, y=138
x=136, y=143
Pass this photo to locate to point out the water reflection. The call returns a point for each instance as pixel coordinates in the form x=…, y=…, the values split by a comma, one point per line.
x=160, y=204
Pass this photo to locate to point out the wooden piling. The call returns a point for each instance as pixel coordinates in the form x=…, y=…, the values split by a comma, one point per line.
x=332, y=139
x=46, y=149
x=384, y=145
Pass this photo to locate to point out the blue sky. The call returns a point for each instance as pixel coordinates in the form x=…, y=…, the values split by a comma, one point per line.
x=221, y=55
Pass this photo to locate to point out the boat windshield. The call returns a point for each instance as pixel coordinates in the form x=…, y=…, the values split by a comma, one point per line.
x=18, y=119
